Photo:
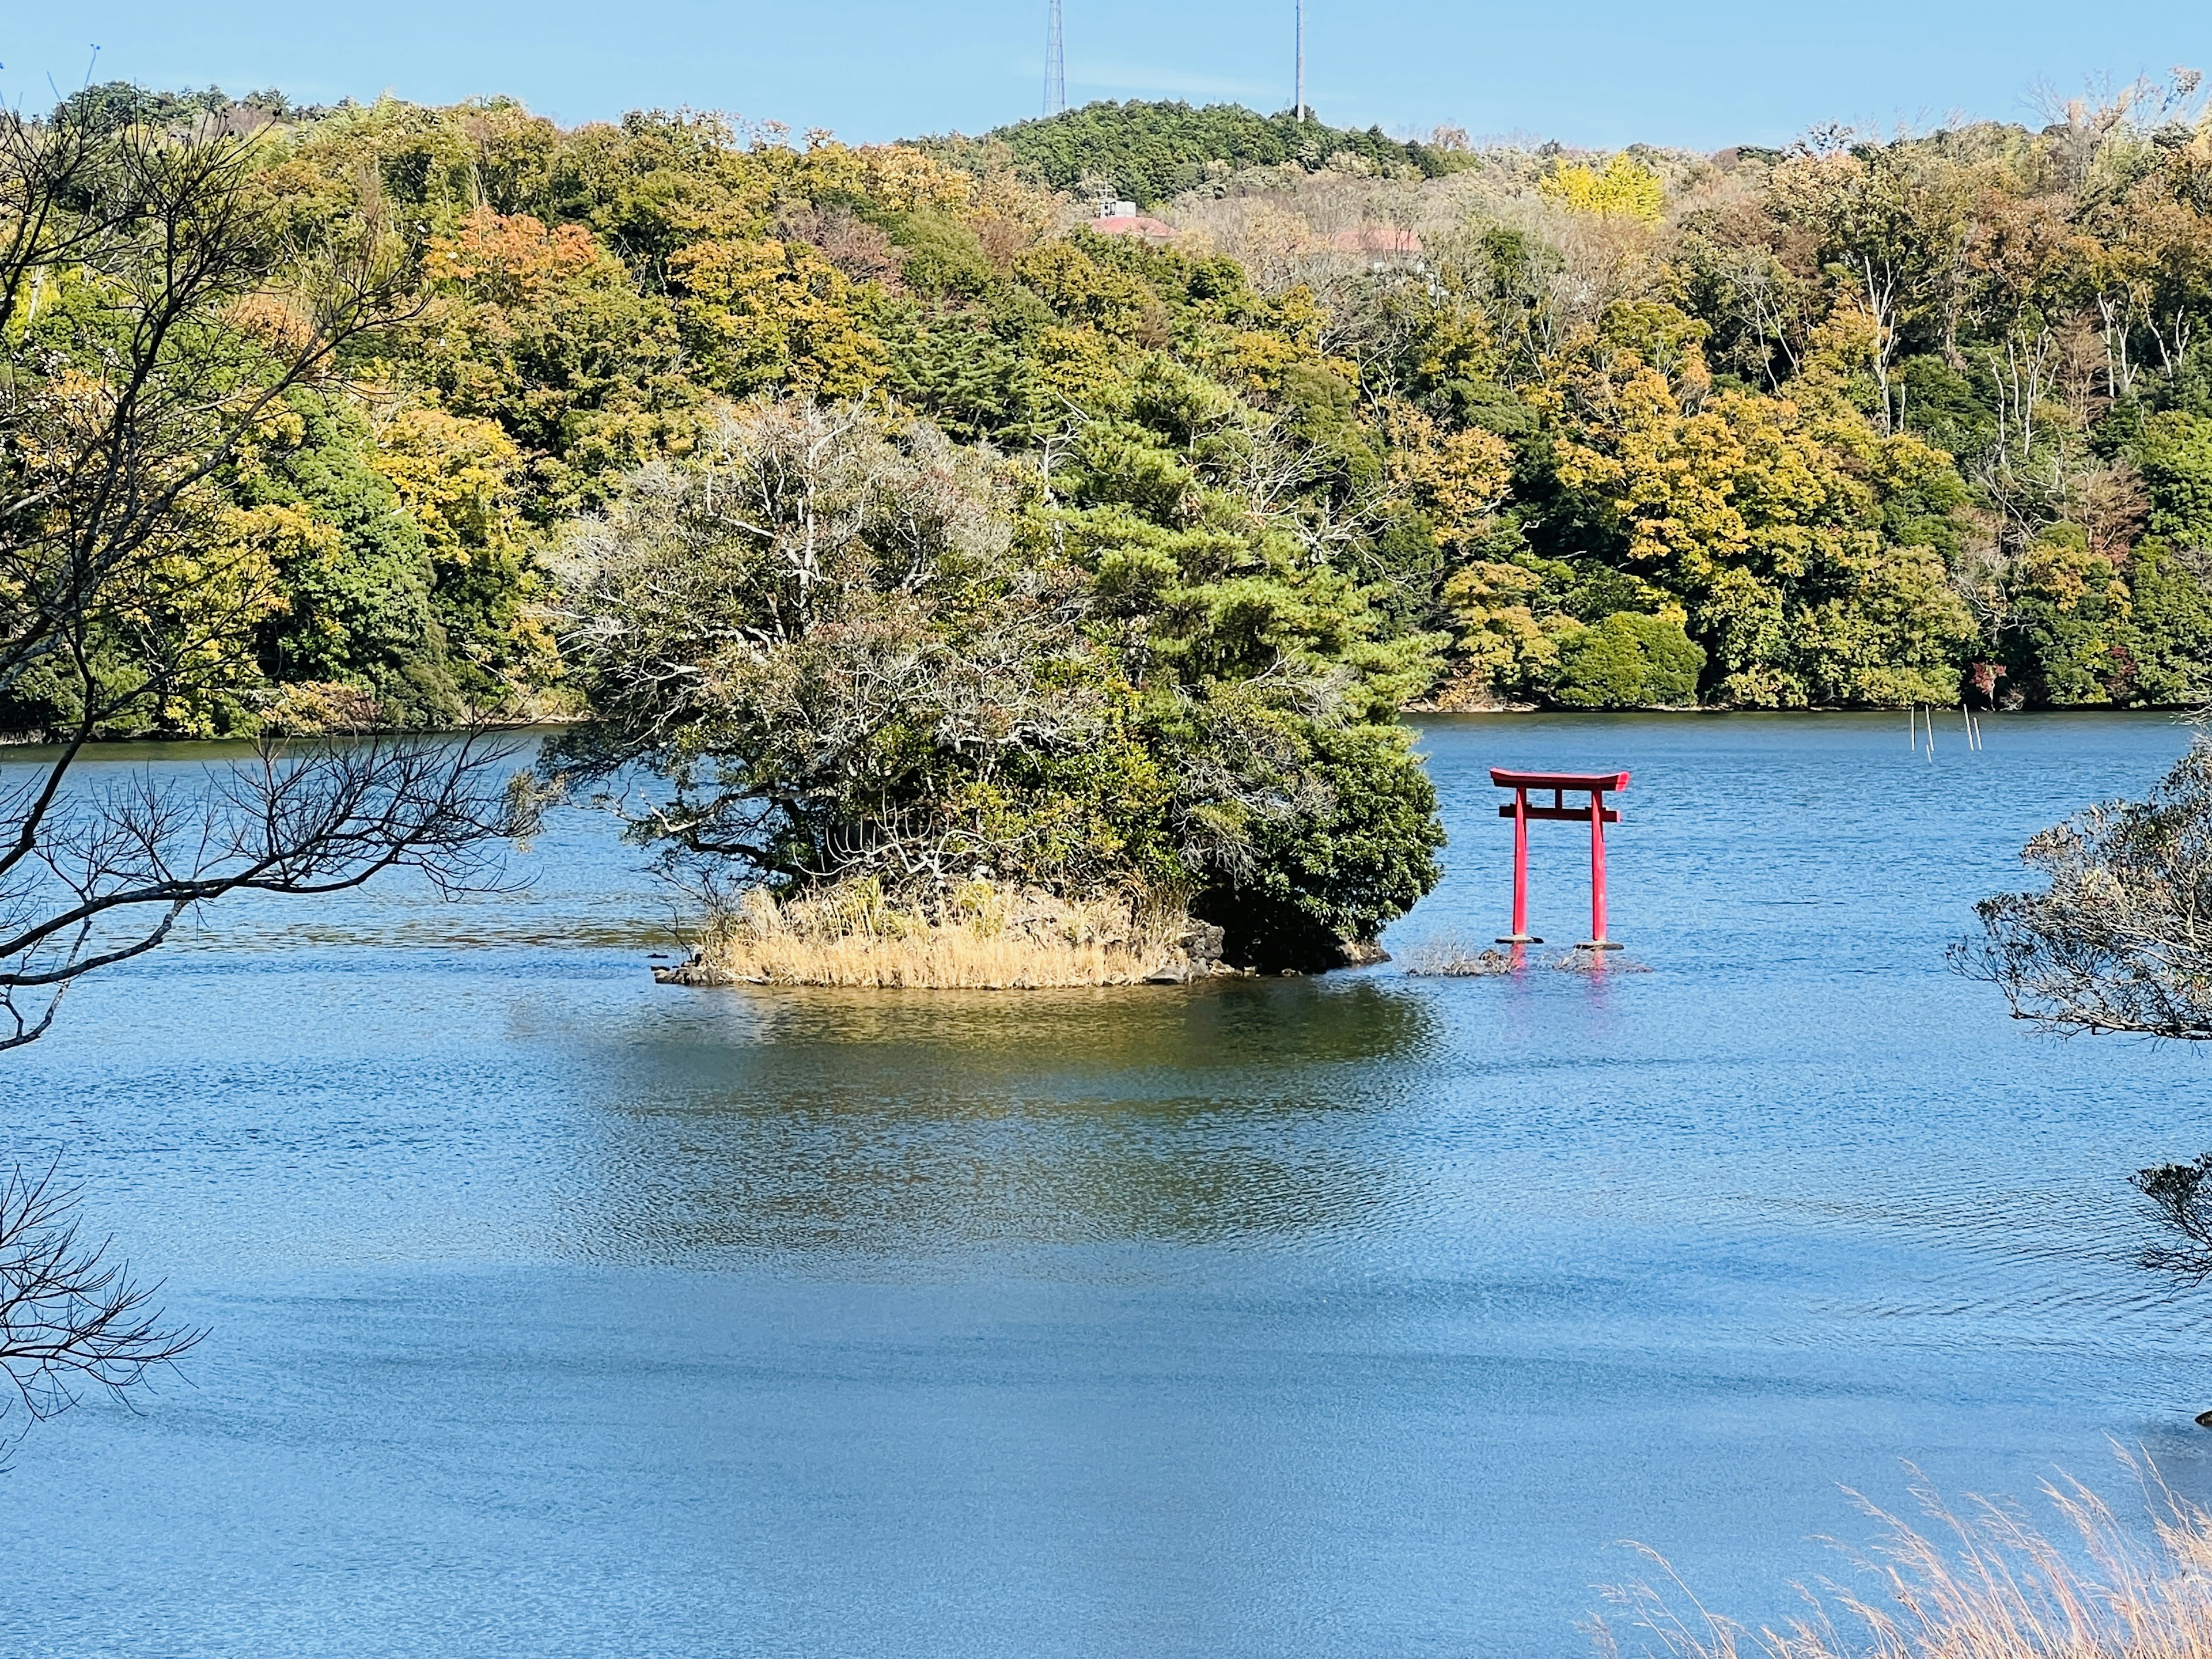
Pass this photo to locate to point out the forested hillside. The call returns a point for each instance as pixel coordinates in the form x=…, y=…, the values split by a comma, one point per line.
x=1856, y=423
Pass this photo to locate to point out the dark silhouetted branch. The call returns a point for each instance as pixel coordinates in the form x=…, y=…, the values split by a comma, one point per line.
x=72, y=1317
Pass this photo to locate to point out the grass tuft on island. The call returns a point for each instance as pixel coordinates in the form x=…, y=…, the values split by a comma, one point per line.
x=983, y=936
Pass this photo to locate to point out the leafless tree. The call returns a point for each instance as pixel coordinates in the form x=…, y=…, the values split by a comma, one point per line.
x=72, y=1317
x=195, y=315
x=2121, y=940
x=154, y=315
x=90, y=877
x=759, y=626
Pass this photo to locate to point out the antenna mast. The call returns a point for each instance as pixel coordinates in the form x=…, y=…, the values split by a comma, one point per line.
x=1056, y=64
x=1301, y=58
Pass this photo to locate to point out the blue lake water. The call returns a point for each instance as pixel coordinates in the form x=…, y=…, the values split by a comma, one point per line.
x=556, y=1312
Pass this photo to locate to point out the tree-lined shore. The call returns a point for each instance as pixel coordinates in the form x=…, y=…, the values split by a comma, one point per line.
x=928, y=533
x=1863, y=422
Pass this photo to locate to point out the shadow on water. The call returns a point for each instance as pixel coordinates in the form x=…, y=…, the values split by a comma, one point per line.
x=771, y=1121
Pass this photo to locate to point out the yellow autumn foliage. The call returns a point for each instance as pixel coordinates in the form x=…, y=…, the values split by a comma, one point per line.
x=1766, y=514
x=199, y=596
x=763, y=314
x=455, y=475
x=1623, y=187
x=1457, y=479
x=458, y=479
x=1503, y=647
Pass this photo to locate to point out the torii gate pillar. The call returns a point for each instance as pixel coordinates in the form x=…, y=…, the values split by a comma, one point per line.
x=1597, y=785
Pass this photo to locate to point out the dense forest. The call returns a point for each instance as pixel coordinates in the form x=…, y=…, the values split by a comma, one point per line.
x=1859, y=423
x=866, y=486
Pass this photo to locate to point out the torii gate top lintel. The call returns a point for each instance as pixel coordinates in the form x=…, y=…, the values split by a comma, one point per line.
x=1606, y=783
x=1597, y=785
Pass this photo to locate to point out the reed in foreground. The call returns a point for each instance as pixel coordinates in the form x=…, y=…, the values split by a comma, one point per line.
x=1984, y=1583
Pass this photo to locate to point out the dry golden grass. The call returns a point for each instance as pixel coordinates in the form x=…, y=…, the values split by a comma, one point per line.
x=1986, y=1583
x=989, y=939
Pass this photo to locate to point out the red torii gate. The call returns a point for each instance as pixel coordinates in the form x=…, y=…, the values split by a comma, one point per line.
x=1597, y=785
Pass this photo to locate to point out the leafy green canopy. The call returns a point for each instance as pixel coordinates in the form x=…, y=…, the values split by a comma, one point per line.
x=1114, y=599
x=1629, y=661
x=113, y=105
x=856, y=650
x=1152, y=151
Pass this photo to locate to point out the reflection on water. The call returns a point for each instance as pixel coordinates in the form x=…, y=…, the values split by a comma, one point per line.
x=554, y=1310
x=913, y=1123
x=1224, y=1027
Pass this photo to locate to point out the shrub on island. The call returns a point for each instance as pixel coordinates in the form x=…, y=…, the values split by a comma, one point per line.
x=864, y=660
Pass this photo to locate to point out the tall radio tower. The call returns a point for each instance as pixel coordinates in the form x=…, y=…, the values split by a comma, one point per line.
x=1301, y=71
x=1056, y=64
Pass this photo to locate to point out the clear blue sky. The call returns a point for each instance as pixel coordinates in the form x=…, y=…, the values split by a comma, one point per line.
x=1601, y=72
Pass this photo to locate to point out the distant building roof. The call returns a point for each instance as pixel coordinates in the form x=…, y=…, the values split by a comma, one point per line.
x=1375, y=237
x=1133, y=224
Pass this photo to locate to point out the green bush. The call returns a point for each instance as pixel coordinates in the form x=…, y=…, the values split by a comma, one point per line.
x=1629, y=660
x=1342, y=871
x=2169, y=633
x=2175, y=453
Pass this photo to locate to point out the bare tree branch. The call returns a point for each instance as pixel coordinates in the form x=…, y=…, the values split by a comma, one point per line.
x=111, y=870
x=72, y=1317
x=195, y=313
x=2182, y=1202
